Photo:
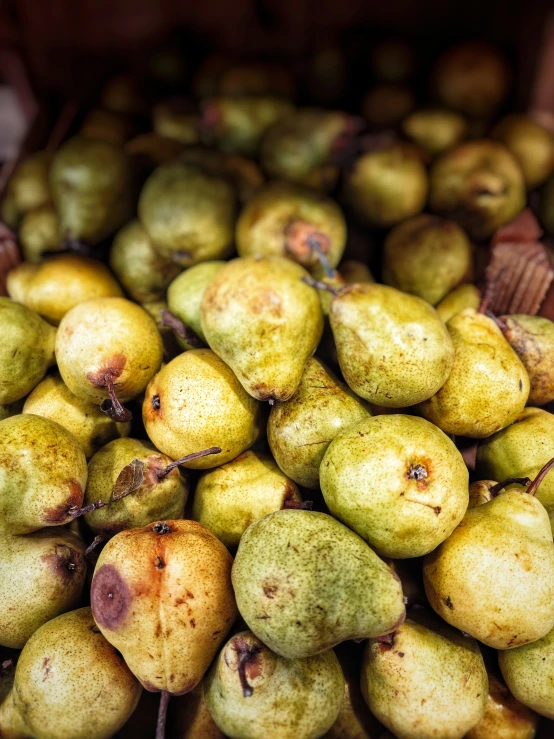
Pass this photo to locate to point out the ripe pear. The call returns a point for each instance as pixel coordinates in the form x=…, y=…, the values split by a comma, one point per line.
x=392, y=348
x=28, y=188
x=398, y=482
x=505, y=717
x=70, y=683
x=162, y=596
x=263, y=489
x=188, y=213
x=185, y=293
x=143, y=273
x=532, y=339
x=316, y=584
x=531, y=144
x=42, y=576
x=261, y=318
x=462, y=297
x=425, y=680
x=39, y=233
x=427, y=256
x=26, y=350
x=488, y=386
x=133, y=469
x=43, y=473
x=253, y=693
x=480, y=492
x=59, y=283
x=435, y=130
x=91, y=188
x=300, y=430
x=196, y=402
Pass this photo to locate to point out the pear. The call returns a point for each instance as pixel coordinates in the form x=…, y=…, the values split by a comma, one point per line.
x=425, y=680
x=264, y=322
x=532, y=338
x=300, y=430
x=177, y=122
x=481, y=491
x=427, y=256
x=196, y=402
x=188, y=213
x=132, y=466
x=26, y=350
x=531, y=144
x=190, y=718
x=252, y=692
x=122, y=94
x=70, y=683
x=43, y=473
x=144, y=274
x=42, y=576
x=493, y=578
x=11, y=409
x=150, y=150
x=162, y=596
x=353, y=271
x=385, y=105
x=59, y=283
x=488, y=386
x=254, y=78
x=28, y=188
x=317, y=584
x=505, y=717
x=185, y=293
x=89, y=425
x=263, y=489
x=39, y=233
x=398, y=482
x=462, y=297
x=115, y=128
x=435, y=130
x=392, y=348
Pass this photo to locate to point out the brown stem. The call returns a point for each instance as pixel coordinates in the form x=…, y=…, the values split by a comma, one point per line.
x=320, y=285
x=162, y=714
x=245, y=655
x=385, y=639
x=112, y=407
x=499, y=322
x=183, y=331
x=496, y=489
x=315, y=246
x=76, y=512
x=95, y=543
x=534, y=486
x=300, y=505
x=188, y=458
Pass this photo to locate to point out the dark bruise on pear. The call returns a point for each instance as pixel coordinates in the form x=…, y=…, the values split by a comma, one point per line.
x=245, y=655
x=305, y=244
x=182, y=330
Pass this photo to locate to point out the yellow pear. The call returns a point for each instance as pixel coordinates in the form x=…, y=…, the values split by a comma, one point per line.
x=505, y=717
x=462, y=297
x=531, y=144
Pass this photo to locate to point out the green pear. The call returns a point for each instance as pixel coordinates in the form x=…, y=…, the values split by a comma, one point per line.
x=425, y=680
x=253, y=693
x=300, y=430
x=530, y=143
x=70, y=683
x=190, y=718
x=505, y=717
x=427, y=256
x=185, y=293
x=43, y=473
x=353, y=271
x=39, y=233
x=188, y=213
x=462, y=297
x=263, y=489
x=392, y=348
x=28, y=188
x=91, y=188
x=175, y=124
x=532, y=339
x=42, y=576
x=398, y=482
x=263, y=321
x=435, y=130
x=129, y=475
x=196, y=402
x=488, y=386
x=144, y=274
x=26, y=350
x=162, y=596
x=316, y=584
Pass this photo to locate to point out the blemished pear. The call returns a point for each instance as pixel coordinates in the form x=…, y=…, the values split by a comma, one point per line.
x=462, y=297
x=26, y=350
x=43, y=473
x=162, y=596
x=488, y=386
x=41, y=577
x=196, y=402
x=392, y=347
x=300, y=430
x=425, y=680
x=397, y=481
x=132, y=469
x=505, y=717
x=184, y=295
x=190, y=718
x=70, y=683
x=263, y=321
x=480, y=492
x=532, y=339
x=253, y=693
x=54, y=286
x=298, y=607
x=228, y=499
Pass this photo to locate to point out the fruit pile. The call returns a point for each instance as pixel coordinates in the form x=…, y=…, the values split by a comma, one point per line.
x=236, y=470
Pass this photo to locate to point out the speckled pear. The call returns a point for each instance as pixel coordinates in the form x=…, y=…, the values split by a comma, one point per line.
x=505, y=717
x=532, y=339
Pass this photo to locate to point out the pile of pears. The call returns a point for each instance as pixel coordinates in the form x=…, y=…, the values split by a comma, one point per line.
x=247, y=490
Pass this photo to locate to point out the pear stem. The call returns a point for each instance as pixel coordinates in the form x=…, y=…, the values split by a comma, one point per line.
x=183, y=331
x=300, y=505
x=188, y=458
x=95, y=543
x=534, y=486
x=315, y=246
x=245, y=655
x=162, y=714
x=76, y=512
x=499, y=322
x=112, y=407
x=496, y=489
x=319, y=285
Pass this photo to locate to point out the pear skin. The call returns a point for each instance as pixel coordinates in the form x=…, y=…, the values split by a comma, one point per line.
x=39, y=233
x=185, y=293
x=28, y=187
x=435, y=130
x=532, y=339
x=190, y=718
x=480, y=492
x=462, y=297
x=505, y=717
x=353, y=271
x=530, y=143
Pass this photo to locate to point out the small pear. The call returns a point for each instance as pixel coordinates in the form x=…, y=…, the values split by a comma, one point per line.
x=185, y=293
x=488, y=386
x=43, y=473
x=162, y=596
x=39, y=233
x=28, y=188
x=26, y=350
x=129, y=474
x=392, y=348
x=462, y=297
x=150, y=150
x=261, y=318
x=59, y=283
x=70, y=683
x=115, y=128
x=196, y=402
x=353, y=271
x=425, y=680
x=398, y=482
x=317, y=584
x=505, y=717
x=532, y=339
x=263, y=489
x=250, y=691
x=175, y=121
x=42, y=576
x=190, y=718
x=531, y=144
x=386, y=104
x=300, y=430
x=435, y=130
x=480, y=492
